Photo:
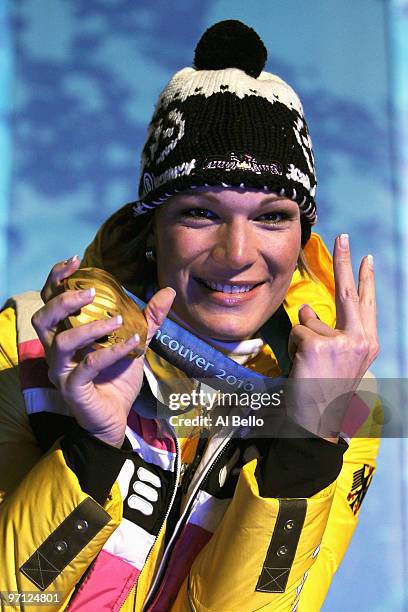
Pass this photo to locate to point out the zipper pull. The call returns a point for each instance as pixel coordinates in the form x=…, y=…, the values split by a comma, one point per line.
x=191, y=468
x=183, y=470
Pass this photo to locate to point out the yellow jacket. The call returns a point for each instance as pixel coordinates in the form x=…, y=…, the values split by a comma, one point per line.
x=244, y=551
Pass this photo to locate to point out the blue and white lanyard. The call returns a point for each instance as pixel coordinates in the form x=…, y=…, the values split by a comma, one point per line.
x=201, y=361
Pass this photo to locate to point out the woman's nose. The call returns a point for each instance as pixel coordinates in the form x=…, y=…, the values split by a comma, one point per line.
x=235, y=245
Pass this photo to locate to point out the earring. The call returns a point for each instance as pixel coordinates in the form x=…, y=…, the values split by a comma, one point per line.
x=150, y=254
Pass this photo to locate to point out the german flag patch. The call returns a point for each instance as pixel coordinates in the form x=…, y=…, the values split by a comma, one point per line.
x=361, y=481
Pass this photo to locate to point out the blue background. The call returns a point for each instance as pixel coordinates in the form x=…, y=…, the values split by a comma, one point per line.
x=78, y=82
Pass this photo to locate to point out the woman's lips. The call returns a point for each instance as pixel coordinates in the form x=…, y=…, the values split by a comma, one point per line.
x=226, y=298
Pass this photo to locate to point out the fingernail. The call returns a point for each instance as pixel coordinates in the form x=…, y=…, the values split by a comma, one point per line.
x=173, y=290
x=132, y=339
x=69, y=261
x=344, y=241
x=88, y=293
x=118, y=320
x=370, y=261
x=300, y=307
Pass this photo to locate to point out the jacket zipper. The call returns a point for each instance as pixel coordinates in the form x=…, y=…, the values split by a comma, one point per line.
x=153, y=591
x=164, y=520
x=132, y=590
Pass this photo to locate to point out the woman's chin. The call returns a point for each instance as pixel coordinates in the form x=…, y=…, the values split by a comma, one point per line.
x=226, y=329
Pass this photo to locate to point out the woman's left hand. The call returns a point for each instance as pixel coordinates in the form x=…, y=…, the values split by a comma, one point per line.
x=328, y=364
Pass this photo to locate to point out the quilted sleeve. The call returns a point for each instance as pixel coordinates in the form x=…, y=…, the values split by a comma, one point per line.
x=51, y=529
x=359, y=464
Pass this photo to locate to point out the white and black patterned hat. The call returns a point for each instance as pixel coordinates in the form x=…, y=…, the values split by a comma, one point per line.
x=226, y=122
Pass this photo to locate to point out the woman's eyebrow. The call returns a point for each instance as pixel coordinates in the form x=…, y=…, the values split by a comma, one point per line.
x=272, y=200
x=201, y=194
x=213, y=198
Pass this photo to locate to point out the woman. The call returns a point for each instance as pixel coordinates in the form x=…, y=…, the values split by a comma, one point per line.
x=125, y=510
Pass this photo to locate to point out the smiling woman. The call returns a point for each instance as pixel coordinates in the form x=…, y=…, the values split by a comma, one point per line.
x=246, y=500
x=233, y=254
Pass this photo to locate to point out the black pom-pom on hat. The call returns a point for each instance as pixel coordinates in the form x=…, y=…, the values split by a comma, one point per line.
x=231, y=44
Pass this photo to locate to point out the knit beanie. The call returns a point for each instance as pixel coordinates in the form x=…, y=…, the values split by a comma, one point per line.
x=226, y=122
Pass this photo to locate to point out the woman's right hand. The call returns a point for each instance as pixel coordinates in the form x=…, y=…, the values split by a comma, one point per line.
x=101, y=385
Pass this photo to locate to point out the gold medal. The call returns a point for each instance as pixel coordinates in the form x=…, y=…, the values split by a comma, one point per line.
x=110, y=300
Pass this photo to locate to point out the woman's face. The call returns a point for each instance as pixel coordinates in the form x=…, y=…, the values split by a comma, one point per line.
x=230, y=255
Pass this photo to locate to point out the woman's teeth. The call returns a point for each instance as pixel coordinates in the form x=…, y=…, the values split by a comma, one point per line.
x=228, y=288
